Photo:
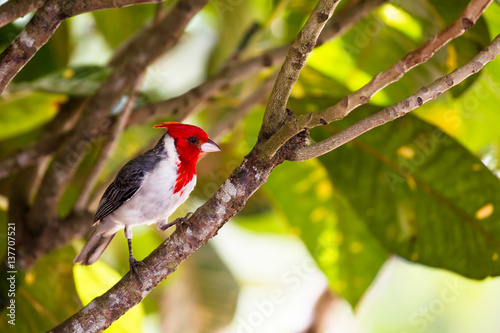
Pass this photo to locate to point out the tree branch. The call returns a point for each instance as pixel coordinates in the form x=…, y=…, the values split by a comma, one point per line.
x=304, y=43
x=92, y=121
x=43, y=25
x=362, y=96
x=14, y=9
x=401, y=108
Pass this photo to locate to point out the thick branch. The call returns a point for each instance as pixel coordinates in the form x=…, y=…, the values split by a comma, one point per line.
x=362, y=96
x=14, y=9
x=304, y=43
x=42, y=26
x=401, y=108
x=68, y=157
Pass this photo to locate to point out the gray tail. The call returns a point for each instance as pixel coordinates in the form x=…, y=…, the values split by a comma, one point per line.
x=93, y=249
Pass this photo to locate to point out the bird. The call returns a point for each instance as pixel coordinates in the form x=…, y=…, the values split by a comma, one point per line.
x=148, y=189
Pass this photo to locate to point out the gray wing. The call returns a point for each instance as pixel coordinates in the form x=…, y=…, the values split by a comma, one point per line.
x=126, y=184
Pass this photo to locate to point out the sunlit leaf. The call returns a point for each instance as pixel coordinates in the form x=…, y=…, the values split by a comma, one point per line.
x=22, y=112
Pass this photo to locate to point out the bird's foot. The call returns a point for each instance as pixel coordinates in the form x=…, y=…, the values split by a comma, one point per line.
x=178, y=222
x=134, y=263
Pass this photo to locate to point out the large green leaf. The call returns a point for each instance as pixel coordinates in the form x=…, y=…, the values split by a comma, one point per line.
x=336, y=237
x=424, y=196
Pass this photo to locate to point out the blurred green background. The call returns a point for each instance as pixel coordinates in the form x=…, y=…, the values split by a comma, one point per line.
x=397, y=231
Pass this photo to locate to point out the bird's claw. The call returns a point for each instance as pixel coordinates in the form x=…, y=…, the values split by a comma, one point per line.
x=178, y=222
x=133, y=268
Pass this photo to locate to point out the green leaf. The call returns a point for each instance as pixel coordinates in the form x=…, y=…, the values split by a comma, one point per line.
x=22, y=112
x=46, y=295
x=202, y=297
x=74, y=81
x=336, y=237
x=424, y=196
x=93, y=281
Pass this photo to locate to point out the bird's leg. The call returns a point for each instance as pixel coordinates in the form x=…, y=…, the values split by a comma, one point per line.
x=178, y=222
x=132, y=261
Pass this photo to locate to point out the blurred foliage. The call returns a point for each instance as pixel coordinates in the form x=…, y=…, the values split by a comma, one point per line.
x=203, y=286
x=424, y=187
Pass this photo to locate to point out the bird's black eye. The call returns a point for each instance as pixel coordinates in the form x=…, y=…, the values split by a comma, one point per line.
x=193, y=140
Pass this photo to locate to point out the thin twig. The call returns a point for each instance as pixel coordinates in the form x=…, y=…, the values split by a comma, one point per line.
x=305, y=42
x=108, y=146
x=401, y=108
x=362, y=96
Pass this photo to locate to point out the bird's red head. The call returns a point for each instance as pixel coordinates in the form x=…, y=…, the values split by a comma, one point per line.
x=191, y=142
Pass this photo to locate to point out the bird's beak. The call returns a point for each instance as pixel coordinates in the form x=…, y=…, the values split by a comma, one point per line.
x=209, y=146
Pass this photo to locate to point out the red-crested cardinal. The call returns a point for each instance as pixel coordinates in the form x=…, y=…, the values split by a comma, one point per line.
x=148, y=189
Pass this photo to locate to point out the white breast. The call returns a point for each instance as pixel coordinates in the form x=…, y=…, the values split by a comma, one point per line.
x=155, y=200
